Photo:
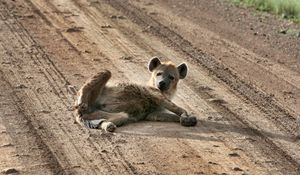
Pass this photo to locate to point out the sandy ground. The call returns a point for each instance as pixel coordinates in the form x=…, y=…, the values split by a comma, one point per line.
x=243, y=85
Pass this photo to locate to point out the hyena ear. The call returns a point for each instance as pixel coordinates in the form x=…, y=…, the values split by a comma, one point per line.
x=182, y=69
x=154, y=63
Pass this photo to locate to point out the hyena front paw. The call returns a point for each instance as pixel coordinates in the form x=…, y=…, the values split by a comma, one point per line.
x=108, y=126
x=188, y=121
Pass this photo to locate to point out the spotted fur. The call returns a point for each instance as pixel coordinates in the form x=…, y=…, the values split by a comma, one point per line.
x=106, y=107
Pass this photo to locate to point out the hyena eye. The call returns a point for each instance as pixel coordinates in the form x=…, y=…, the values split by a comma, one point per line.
x=171, y=77
x=159, y=74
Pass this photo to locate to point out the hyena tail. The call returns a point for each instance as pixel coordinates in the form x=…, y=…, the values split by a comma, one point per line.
x=89, y=92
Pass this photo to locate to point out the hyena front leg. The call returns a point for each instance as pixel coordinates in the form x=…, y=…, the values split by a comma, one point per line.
x=185, y=119
x=162, y=116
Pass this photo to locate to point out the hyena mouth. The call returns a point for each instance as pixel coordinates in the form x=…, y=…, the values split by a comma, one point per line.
x=163, y=89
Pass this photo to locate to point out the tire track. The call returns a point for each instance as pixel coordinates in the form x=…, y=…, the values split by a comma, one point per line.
x=109, y=161
x=50, y=72
x=38, y=56
x=32, y=115
x=22, y=131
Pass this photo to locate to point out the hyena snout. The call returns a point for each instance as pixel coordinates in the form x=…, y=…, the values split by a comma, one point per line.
x=163, y=85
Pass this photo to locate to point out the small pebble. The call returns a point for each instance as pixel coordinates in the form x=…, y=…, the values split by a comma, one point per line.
x=214, y=163
x=74, y=29
x=184, y=156
x=10, y=171
x=237, y=169
x=106, y=26
x=234, y=154
x=21, y=86
x=7, y=145
x=104, y=151
x=283, y=31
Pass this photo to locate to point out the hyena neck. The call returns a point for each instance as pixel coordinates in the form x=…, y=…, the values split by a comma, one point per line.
x=169, y=95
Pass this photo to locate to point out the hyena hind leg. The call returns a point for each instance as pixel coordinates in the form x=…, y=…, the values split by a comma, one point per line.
x=105, y=120
x=116, y=120
x=91, y=90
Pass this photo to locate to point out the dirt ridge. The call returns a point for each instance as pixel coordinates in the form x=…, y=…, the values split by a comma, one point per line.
x=58, y=83
x=50, y=160
x=49, y=71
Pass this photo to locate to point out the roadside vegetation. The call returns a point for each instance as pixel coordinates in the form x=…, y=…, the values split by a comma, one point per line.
x=285, y=8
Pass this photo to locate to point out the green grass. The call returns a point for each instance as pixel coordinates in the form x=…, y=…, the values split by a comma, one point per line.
x=285, y=8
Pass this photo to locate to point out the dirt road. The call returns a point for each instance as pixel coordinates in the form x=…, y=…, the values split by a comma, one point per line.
x=243, y=85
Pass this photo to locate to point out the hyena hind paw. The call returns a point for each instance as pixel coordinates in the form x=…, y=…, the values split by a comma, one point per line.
x=108, y=126
x=93, y=124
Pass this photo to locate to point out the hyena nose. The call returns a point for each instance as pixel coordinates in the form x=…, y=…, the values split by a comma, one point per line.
x=162, y=85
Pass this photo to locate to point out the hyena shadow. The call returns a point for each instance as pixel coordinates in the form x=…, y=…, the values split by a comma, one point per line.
x=205, y=130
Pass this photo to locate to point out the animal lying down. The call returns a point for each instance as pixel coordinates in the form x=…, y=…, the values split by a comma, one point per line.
x=108, y=107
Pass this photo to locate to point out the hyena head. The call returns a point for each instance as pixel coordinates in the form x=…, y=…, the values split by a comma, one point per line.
x=165, y=76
